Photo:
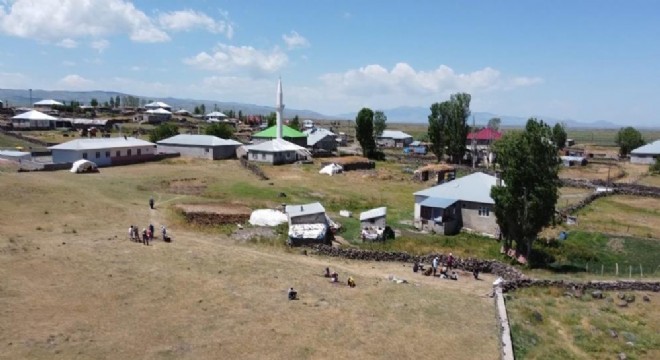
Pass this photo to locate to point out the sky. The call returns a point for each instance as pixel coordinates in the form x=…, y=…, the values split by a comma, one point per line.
x=586, y=60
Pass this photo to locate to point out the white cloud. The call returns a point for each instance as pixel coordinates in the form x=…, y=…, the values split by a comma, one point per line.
x=55, y=20
x=185, y=20
x=13, y=80
x=99, y=45
x=229, y=58
x=295, y=40
x=67, y=43
x=74, y=82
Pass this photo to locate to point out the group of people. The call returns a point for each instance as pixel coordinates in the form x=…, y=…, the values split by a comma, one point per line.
x=334, y=278
x=147, y=234
x=445, y=271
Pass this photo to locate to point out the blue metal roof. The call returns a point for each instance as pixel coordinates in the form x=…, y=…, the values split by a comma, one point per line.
x=438, y=202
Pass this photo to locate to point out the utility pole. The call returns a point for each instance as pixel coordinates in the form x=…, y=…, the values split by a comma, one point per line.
x=30, y=98
x=474, y=143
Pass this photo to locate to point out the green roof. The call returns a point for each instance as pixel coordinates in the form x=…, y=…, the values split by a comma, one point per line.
x=287, y=132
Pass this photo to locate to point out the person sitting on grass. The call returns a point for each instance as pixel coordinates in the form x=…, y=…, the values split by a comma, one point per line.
x=351, y=282
x=292, y=294
x=453, y=275
x=475, y=273
x=327, y=272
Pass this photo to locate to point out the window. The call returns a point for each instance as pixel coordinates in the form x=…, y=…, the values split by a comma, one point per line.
x=118, y=153
x=128, y=152
x=254, y=155
x=107, y=154
x=98, y=154
x=139, y=151
x=263, y=156
x=206, y=150
x=484, y=211
x=84, y=155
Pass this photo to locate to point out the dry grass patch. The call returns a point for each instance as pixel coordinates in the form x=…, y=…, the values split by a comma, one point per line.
x=650, y=180
x=593, y=171
x=622, y=215
x=73, y=286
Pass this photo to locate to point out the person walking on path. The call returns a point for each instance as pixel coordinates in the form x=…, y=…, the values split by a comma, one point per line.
x=151, y=202
x=434, y=265
x=450, y=261
x=130, y=233
x=163, y=231
x=151, y=231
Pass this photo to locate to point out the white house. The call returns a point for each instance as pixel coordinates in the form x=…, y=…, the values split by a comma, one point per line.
x=277, y=152
x=215, y=116
x=46, y=105
x=33, y=119
x=104, y=151
x=646, y=154
x=461, y=203
x=199, y=146
x=394, y=138
x=157, y=105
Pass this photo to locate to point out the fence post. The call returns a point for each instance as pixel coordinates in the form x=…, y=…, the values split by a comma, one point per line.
x=617, y=269
x=641, y=272
x=630, y=271
x=602, y=268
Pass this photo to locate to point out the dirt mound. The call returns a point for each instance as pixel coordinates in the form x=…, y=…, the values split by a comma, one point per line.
x=188, y=186
x=215, y=214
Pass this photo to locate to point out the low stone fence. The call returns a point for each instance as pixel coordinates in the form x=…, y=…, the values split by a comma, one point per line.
x=254, y=168
x=616, y=189
x=25, y=138
x=495, y=267
x=511, y=285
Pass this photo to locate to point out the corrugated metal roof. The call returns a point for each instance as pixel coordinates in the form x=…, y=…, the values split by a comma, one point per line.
x=474, y=187
x=158, y=111
x=271, y=132
x=34, y=115
x=48, y=102
x=101, y=143
x=215, y=114
x=435, y=202
x=394, y=134
x=648, y=149
x=315, y=135
x=305, y=209
x=156, y=104
x=373, y=213
x=13, y=153
x=197, y=140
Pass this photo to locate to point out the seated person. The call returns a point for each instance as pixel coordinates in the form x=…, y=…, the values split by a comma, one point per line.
x=443, y=271
x=293, y=295
x=351, y=282
x=453, y=275
x=475, y=273
x=327, y=272
x=335, y=277
x=415, y=267
x=428, y=272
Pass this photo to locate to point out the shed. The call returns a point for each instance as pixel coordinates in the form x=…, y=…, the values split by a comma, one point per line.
x=394, y=138
x=308, y=224
x=34, y=119
x=646, y=154
x=320, y=139
x=199, y=146
x=215, y=116
x=13, y=155
x=157, y=105
x=373, y=218
x=276, y=152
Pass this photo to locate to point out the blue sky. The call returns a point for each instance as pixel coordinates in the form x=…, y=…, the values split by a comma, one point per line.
x=583, y=60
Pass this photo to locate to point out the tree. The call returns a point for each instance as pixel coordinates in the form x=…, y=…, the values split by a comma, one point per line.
x=117, y=101
x=220, y=130
x=196, y=111
x=163, y=131
x=436, y=130
x=106, y=104
x=456, y=127
x=112, y=102
x=295, y=123
x=628, y=139
x=202, y=109
x=655, y=167
x=240, y=115
x=525, y=203
x=559, y=136
x=380, y=123
x=271, y=119
x=448, y=126
x=494, y=123
x=94, y=102
x=364, y=132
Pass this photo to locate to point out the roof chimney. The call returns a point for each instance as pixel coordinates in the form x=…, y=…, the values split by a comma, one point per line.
x=301, y=208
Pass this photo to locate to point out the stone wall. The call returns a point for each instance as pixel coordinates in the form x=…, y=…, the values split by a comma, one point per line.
x=254, y=168
x=495, y=267
x=620, y=285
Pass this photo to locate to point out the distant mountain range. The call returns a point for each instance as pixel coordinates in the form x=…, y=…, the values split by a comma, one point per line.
x=419, y=114
x=402, y=114
x=14, y=97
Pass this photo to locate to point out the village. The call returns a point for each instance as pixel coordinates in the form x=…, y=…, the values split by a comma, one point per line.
x=307, y=185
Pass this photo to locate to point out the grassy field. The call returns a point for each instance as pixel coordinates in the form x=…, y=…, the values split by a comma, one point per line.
x=622, y=215
x=570, y=196
x=651, y=180
x=545, y=324
x=73, y=286
x=9, y=142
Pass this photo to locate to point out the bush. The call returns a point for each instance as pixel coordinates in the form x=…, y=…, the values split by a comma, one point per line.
x=655, y=167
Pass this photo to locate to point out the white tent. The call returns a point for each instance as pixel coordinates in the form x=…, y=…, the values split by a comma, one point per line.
x=34, y=115
x=32, y=119
x=267, y=217
x=47, y=102
x=331, y=169
x=83, y=166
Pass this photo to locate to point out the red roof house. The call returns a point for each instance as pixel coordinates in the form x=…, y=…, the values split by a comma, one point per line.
x=485, y=135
